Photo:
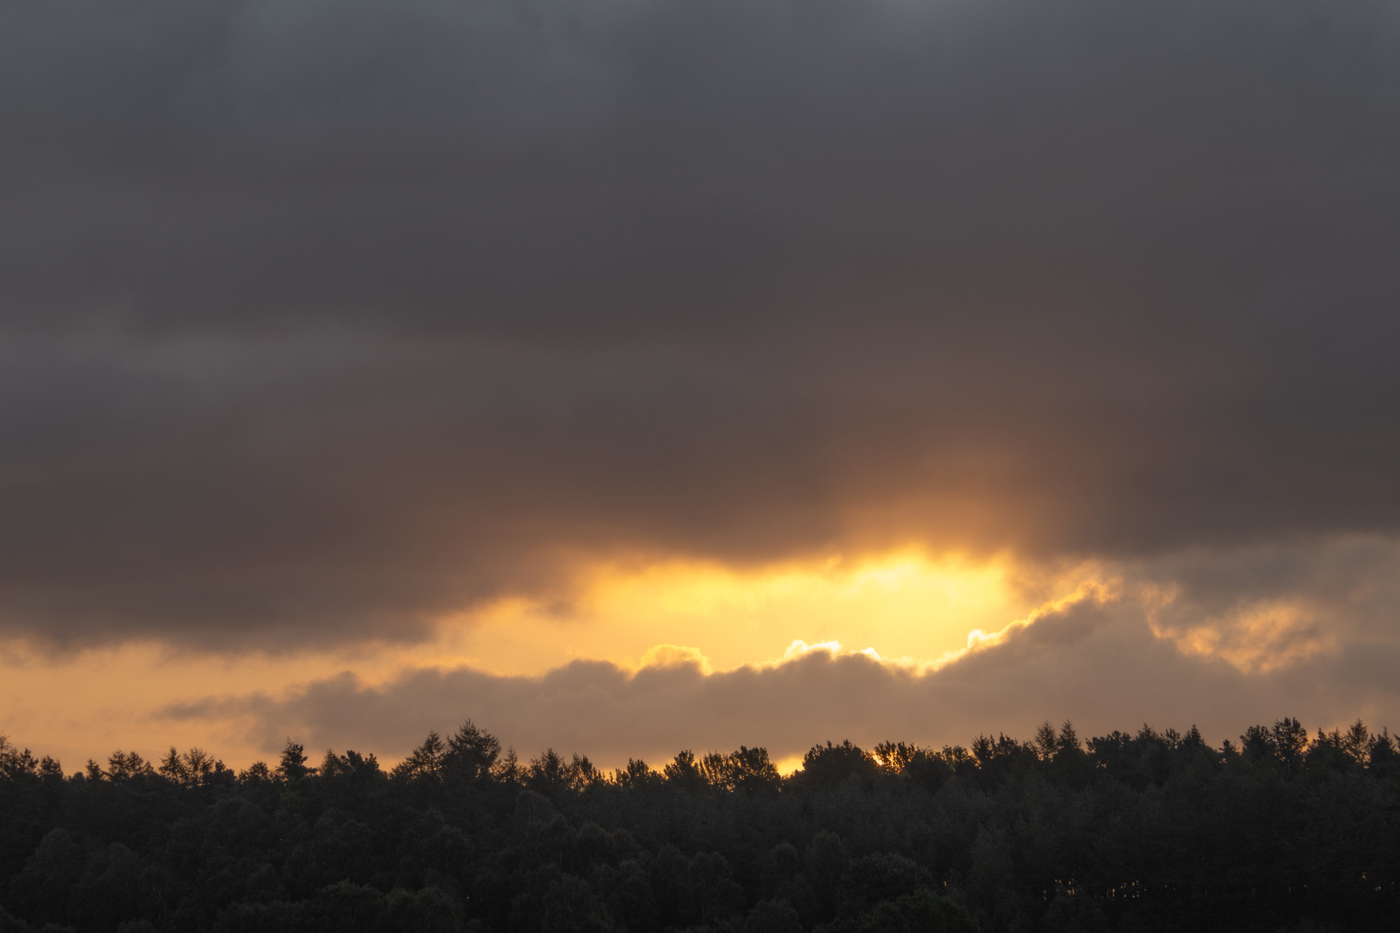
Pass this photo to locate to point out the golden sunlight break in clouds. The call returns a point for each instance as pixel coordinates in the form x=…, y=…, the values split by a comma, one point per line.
x=904, y=605
x=906, y=610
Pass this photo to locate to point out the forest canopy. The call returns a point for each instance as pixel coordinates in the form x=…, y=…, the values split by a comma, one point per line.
x=1284, y=830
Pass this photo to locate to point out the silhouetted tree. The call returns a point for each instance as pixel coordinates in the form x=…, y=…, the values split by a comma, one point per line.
x=834, y=763
x=293, y=762
x=424, y=762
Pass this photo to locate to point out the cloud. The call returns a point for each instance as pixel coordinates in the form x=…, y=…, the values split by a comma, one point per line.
x=1265, y=606
x=1093, y=658
x=318, y=322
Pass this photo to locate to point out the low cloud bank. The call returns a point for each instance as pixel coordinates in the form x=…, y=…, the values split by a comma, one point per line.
x=1094, y=659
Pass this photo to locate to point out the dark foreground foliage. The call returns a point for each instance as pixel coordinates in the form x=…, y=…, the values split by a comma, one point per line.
x=1153, y=831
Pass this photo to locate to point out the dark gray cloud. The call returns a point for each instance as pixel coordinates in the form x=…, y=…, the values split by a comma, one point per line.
x=1093, y=660
x=320, y=318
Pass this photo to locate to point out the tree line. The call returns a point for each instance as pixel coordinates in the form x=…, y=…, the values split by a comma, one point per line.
x=1282, y=831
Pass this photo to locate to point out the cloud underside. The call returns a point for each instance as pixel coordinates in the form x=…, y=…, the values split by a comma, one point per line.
x=1100, y=659
x=319, y=322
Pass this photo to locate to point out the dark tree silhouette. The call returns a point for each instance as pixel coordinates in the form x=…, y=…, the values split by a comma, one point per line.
x=1127, y=831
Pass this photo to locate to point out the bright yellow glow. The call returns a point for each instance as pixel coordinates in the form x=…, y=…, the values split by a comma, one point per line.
x=905, y=606
x=788, y=765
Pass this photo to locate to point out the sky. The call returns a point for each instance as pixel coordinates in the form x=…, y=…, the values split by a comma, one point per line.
x=638, y=375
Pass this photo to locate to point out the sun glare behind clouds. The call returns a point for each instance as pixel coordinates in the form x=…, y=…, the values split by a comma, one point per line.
x=904, y=605
x=920, y=615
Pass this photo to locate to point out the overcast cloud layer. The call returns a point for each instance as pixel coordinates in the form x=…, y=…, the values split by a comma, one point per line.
x=318, y=319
